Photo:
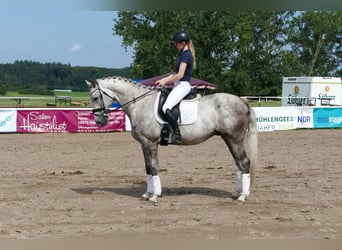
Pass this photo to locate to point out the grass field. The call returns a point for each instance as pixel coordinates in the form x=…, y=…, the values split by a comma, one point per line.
x=80, y=99
x=264, y=103
x=60, y=99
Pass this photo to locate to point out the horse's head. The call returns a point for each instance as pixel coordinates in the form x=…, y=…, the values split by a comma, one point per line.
x=101, y=99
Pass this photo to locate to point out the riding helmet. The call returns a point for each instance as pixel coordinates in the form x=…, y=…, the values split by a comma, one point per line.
x=181, y=36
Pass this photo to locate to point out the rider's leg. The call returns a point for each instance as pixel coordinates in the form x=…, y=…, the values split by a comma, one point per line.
x=172, y=120
x=180, y=90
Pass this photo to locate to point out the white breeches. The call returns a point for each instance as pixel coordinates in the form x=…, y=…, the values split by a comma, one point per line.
x=179, y=91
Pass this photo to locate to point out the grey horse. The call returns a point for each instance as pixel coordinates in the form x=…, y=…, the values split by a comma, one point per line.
x=219, y=114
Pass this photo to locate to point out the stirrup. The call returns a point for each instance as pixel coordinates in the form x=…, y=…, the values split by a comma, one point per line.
x=164, y=135
x=175, y=138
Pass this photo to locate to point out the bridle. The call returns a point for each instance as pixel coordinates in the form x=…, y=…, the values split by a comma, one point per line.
x=103, y=108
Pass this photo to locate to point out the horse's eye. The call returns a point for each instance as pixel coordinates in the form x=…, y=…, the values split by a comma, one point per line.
x=95, y=99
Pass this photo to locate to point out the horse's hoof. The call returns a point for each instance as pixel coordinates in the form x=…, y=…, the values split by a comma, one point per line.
x=153, y=200
x=146, y=196
x=236, y=195
x=242, y=198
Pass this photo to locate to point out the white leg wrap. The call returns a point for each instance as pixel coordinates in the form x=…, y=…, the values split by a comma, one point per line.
x=149, y=181
x=156, y=185
x=246, y=183
x=238, y=182
x=149, y=191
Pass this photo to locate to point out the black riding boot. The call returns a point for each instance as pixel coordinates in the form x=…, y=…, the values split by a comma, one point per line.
x=172, y=120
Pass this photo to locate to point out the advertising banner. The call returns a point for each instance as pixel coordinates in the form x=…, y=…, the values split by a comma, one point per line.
x=304, y=117
x=71, y=121
x=295, y=94
x=86, y=122
x=270, y=118
x=327, y=117
x=46, y=121
x=82, y=120
x=311, y=91
x=283, y=118
x=8, y=121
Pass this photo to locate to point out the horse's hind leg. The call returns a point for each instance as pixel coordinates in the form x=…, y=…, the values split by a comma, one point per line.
x=237, y=149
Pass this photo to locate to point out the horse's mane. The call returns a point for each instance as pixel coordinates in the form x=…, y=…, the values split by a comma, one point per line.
x=130, y=81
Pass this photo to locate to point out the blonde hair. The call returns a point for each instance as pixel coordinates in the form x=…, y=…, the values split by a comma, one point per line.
x=192, y=49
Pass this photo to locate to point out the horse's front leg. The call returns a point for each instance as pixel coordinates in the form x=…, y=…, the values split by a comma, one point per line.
x=154, y=189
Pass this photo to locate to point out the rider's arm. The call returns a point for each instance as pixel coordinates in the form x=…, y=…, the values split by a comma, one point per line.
x=173, y=77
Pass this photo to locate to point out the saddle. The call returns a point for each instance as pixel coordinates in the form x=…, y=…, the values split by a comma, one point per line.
x=164, y=92
x=165, y=131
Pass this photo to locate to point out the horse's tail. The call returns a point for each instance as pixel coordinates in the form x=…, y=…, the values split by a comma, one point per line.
x=251, y=143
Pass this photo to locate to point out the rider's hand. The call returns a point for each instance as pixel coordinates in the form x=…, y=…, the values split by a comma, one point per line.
x=159, y=83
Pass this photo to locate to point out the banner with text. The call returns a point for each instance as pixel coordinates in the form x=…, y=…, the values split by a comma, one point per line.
x=328, y=117
x=72, y=121
x=283, y=118
x=304, y=117
x=82, y=119
x=86, y=122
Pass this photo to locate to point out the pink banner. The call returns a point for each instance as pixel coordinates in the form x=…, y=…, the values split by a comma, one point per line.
x=71, y=121
x=86, y=122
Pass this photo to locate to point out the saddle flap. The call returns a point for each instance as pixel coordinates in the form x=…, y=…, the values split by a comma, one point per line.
x=187, y=107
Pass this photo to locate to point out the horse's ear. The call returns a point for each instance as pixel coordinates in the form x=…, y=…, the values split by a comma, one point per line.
x=90, y=83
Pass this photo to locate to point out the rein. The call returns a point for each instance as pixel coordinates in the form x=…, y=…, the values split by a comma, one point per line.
x=131, y=101
x=109, y=110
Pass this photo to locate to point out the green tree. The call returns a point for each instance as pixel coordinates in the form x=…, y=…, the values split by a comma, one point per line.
x=259, y=38
x=30, y=76
x=3, y=89
x=149, y=34
x=239, y=51
x=315, y=44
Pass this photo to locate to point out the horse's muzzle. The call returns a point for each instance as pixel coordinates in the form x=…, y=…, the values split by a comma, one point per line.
x=101, y=118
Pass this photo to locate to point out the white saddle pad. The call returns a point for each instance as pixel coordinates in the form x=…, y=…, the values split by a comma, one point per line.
x=188, y=111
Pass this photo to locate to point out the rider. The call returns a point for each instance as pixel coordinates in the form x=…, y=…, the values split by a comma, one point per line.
x=181, y=80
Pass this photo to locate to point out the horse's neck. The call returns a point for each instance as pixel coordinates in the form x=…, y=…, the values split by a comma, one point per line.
x=126, y=92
